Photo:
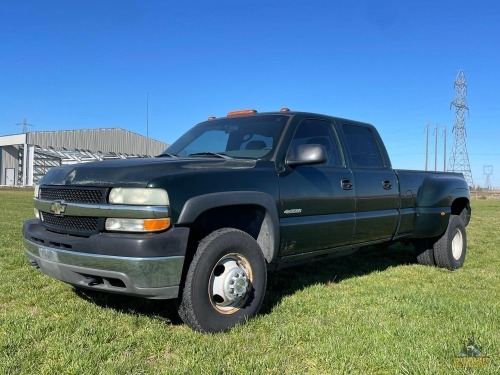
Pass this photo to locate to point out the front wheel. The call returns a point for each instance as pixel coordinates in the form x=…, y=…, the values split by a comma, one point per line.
x=450, y=249
x=225, y=283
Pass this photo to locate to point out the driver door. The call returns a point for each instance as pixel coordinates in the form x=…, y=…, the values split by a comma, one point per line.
x=317, y=202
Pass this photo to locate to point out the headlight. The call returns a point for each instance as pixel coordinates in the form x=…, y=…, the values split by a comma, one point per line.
x=138, y=196
x=137, y=225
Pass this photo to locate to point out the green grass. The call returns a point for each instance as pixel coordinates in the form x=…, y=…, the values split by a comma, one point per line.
x=375, y=312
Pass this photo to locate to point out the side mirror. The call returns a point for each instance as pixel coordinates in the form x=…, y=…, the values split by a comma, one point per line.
x=308, y=154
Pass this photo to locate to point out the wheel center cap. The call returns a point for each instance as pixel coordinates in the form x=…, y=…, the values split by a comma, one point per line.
x=240, y=286
x=235, y=284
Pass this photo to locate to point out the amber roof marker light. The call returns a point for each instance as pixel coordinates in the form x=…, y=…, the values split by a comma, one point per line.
x=241, y=112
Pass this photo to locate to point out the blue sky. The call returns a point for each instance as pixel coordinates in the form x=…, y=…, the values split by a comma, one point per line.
x=90, y=64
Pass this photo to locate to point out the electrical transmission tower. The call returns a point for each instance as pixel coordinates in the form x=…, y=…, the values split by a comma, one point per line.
x=459, y=160
x=24, y=125
x=487, y=172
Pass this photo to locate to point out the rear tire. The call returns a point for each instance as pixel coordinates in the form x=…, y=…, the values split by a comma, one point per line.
x=426, y=257
x=225, y=283
x=425, y=252
x=450, y=249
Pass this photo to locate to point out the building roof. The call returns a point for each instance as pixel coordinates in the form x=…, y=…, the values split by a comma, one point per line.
x=104, y=140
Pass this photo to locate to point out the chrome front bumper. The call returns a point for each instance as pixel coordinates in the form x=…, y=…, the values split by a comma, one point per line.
x=155, y=278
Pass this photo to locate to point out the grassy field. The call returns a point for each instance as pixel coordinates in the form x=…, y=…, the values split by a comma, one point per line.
x=375, y=312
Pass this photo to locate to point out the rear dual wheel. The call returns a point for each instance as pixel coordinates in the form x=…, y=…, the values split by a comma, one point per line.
x=225, y=283
x=449, y=250
x=425, y=252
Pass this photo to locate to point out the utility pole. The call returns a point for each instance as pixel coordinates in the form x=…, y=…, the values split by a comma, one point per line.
x=426, y=144
x=436, y=148
x=147, y=124
x=444, y=159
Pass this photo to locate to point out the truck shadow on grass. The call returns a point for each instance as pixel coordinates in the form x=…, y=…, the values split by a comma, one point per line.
x=334, y=270
x=282, y=283
x=160, y=309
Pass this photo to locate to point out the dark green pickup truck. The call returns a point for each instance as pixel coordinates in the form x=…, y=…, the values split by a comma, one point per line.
x=232, y=199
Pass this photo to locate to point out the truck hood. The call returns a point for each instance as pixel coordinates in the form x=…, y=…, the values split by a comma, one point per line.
x=135, y=172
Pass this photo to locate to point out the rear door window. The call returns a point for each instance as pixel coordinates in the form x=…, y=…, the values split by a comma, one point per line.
x=363, y=146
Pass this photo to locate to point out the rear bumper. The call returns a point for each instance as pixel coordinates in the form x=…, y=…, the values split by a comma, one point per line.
x=156, y=277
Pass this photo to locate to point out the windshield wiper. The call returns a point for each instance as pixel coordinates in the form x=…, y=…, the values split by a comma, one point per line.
x=208, y=153
x=166, y=155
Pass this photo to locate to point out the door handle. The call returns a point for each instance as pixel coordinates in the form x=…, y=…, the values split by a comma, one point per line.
x=386, y=184
x=346, y=184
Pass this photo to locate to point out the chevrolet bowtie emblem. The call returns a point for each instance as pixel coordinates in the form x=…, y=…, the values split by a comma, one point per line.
x=58, y=208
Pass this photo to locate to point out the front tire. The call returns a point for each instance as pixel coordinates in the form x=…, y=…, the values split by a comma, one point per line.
x=450, y=249
x=225, y=283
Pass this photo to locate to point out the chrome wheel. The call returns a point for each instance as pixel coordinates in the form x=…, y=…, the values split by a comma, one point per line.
x=225, y=283
x=230, y=281
x=457, y=244
x=450, y=249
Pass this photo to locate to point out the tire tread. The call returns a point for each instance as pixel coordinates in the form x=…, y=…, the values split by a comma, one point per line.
x=442, y=247
x=186, y=309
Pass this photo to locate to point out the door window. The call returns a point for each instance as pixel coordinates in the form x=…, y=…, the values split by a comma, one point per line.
x=318, y=132
x=363, y=146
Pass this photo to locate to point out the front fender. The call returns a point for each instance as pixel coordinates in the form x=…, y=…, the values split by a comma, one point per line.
x=196, y=206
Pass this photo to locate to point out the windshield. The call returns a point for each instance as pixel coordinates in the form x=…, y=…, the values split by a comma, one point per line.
x=253, y=137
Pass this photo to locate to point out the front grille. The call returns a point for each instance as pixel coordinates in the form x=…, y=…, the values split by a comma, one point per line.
x=79, y=225
x=75, y=225
x=79, y=195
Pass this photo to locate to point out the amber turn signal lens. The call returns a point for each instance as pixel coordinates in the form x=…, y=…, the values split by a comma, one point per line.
x=156, y=224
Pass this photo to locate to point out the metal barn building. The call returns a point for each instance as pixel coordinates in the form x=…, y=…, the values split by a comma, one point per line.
x=26, y=157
